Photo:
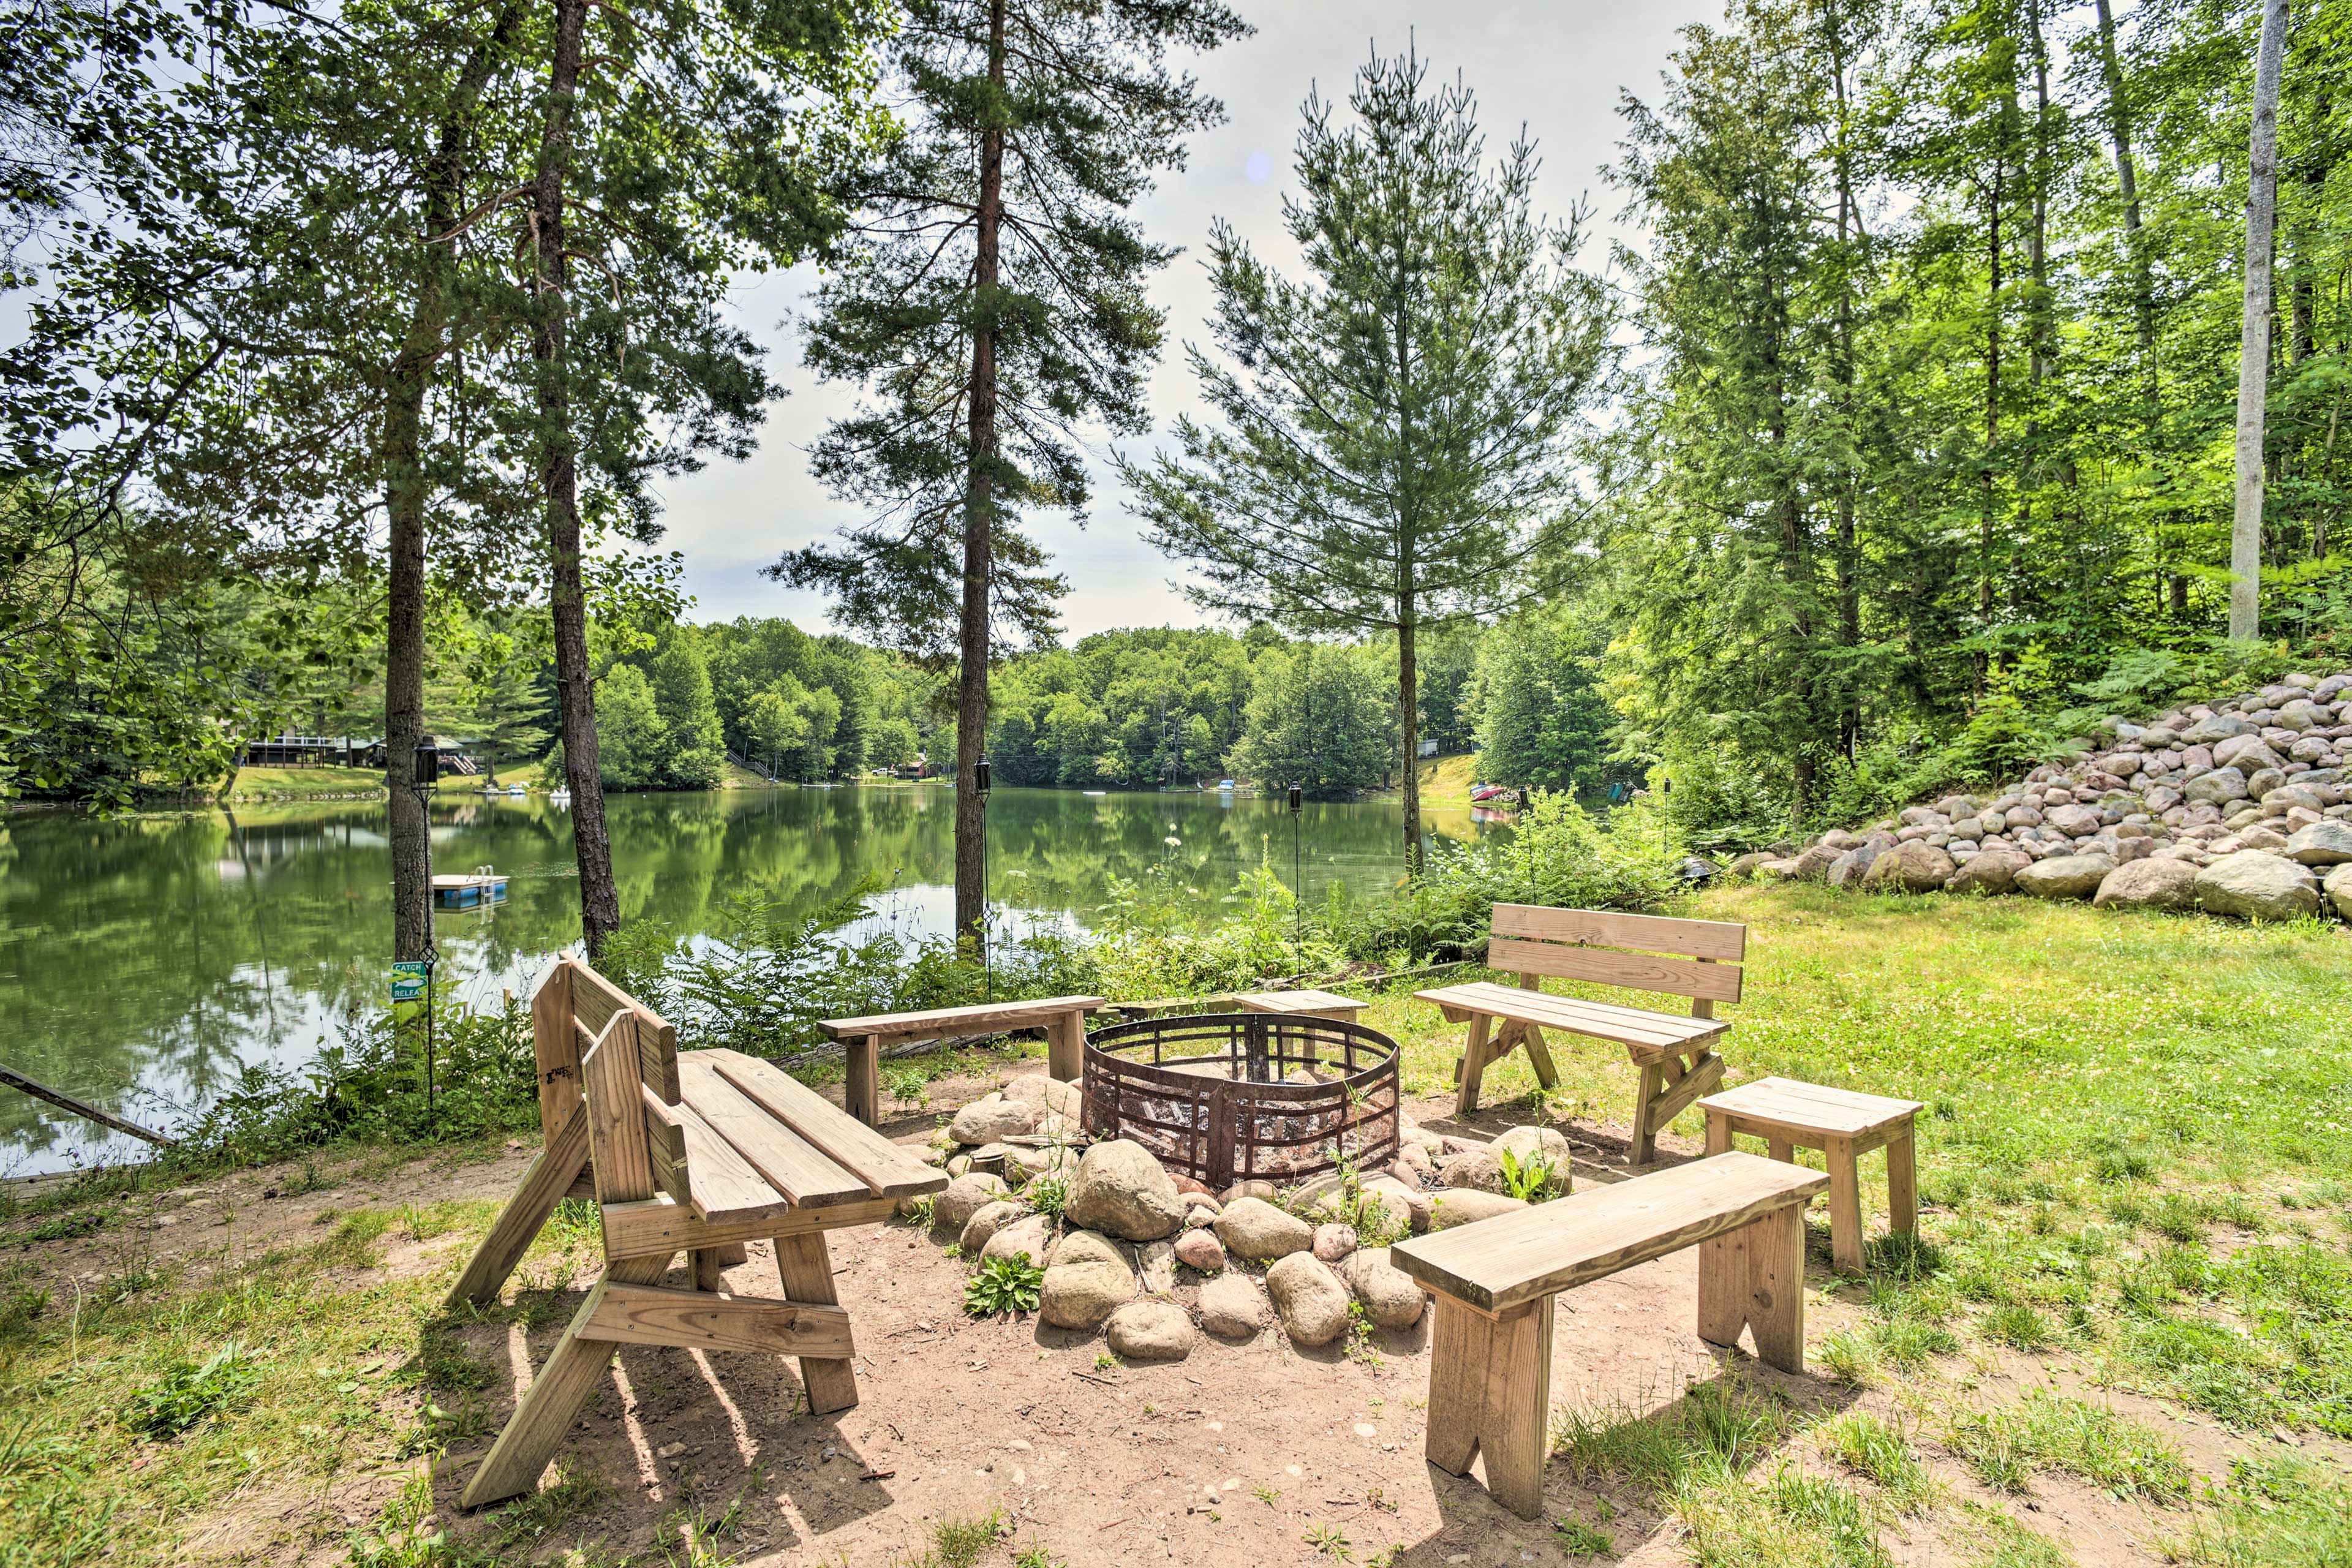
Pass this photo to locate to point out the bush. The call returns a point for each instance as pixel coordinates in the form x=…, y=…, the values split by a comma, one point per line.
x=1004, y=1285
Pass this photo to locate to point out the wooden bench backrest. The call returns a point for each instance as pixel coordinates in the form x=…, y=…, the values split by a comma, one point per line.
x=634, y=1142
x=1499, y=1263
x=1612, y=949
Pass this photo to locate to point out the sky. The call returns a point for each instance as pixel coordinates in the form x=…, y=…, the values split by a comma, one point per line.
x=1556, y=69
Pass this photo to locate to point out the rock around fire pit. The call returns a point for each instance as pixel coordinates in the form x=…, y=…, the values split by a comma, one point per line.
x=1226, y=1097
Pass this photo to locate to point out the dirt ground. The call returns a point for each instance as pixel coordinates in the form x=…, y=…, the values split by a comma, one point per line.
x=1242, y=1454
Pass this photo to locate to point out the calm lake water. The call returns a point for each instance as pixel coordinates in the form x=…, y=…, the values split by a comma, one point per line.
x=142, y=961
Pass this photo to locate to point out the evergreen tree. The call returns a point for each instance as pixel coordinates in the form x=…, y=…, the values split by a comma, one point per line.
x=1000, y=305
x=1395, y=445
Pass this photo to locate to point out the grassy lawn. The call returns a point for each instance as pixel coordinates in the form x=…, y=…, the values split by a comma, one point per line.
x=2132, y=1278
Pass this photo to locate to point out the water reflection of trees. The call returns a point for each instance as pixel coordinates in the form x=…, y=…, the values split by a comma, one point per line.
x=166, y=951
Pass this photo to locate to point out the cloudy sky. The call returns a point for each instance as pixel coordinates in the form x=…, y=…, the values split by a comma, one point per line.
x=1555, y=68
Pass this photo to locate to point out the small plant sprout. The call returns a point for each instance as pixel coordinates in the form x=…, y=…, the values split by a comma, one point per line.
x=1330, y=1540
x=1002, y=1286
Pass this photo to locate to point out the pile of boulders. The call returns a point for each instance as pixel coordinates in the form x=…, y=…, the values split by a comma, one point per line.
x=2237, y=808
x=1144, y=1256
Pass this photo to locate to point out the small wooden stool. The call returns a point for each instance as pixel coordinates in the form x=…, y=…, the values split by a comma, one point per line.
x=1314, y=1004
x=1841, y=1123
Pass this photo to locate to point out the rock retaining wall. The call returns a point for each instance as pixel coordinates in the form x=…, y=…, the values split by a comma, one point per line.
x=2237, y=808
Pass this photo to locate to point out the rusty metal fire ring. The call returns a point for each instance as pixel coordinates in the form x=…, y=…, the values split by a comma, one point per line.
x=1227, y=1097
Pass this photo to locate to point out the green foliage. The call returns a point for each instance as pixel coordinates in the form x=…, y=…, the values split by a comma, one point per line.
x=1532, y=1179
x=1047, y=1196
x=1004, y=1285
x=1543, y=719
x=188, y=1394
x=1320, y=717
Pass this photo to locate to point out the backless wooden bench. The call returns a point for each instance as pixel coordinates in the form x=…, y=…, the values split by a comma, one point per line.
x=1490, y=1352
x=1064, y=1019
x=1676, y=1054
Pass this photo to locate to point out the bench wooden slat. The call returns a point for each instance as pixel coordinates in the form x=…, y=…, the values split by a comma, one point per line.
x=720, y=1184
x=1635, y=970
x=594, y=999
x=1635, y=1028
x=1499, y=1263
x=888, y=1171
x=1723, y=941
x=757, y=1142
x=1811, y=1108
x=937, y=1023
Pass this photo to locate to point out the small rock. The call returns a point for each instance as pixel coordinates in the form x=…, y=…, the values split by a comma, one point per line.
x=1253, y=1188
x=1478, y=1168
x=964, y=1197
x=1309, y=1298
x=984, y=1223
x=1089, y=1279
x=1404, y=1204
x=1150, y=1331
x=1255, y=1229
x=1156, y=1262
x=1233, y=1306
x=2339, y=887
x=993, y=1120
x=1467, y=1206
x=1201, y=1250
x=1333, y=1242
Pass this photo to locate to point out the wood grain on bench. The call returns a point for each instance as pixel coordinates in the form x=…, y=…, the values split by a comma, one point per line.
x=1636, y=1028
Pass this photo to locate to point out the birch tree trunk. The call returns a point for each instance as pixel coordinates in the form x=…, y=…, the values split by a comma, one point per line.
x=2255, y=337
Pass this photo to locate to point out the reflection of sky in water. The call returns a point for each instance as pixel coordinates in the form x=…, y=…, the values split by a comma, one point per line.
x=143, y=962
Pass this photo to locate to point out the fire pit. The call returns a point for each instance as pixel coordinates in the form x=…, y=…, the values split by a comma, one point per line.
x=1226, y=1097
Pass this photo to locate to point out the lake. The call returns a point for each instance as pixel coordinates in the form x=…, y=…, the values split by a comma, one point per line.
x=143, y=961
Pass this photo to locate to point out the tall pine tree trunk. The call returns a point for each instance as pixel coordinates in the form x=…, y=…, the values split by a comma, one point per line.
x=979, y=519
x=600, y=902
x=406, y=495
x=1408, y=585
x=2255, y=335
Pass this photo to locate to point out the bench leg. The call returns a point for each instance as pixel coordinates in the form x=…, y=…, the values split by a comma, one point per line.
x=1845, y=1206
x=1540, y=1056
x=553, y=1400
x=1646, y=1132
x=806, y=1270
x=1718, y=1133
x=1667, y=1090
x=1754, y=1278
x=861, y=1087
x=549, y=1177
x=1490, y=1394
x=1473, y=1064
x=1065, y=1047
x=707, y=1266
x=1902, y=1184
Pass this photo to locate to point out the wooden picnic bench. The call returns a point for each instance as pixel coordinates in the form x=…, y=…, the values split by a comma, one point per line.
x=1675, y=1053
x=1490, y=1352
x=697, y=1153
x=1064, y=1019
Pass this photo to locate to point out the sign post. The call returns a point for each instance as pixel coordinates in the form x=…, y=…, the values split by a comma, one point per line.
x=411, y=982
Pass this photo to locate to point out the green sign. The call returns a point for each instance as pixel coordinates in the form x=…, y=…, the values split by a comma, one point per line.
x=409, y=978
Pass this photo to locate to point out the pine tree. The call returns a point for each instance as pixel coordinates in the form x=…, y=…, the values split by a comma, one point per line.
x=1001, y=306
x=1394, y=451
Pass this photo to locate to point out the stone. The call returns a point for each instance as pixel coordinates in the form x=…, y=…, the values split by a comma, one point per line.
x=1914, y=868
x=1480, y=1167
x=2065, y=876
x=2074, y=821
x=2338, y=889
x=1849, y=868
x=1255, y=1229
x=1308, y=1298
x=2218, y=728
x=1333, y=1242
x=2257, y=886
x=1150, y=1331
x=993, y=1120
x=1813, y=864
x=1200, y=1204
x=1156, y=1262
x=1393, y=1299
x=1256, y=1188
x=1468, y=1206
x=2323, y=843
x=1745, y=866
x=1088, y=1279
x=1404, y=1204
x=1023, y=1164
x=984, y=1223
x=1530, y=1143
x=2264, y=780
x=2148, y=884
x=1056, y=1097
x=1201, y=1250
x=1412, y=1164
x=1033, y=1236
x=1776, y=870
x=2218, y=787
x=2247, y=754
x=1233, y=1306
x=964, y=1197
x=1993, y=871
x=1121, y=1189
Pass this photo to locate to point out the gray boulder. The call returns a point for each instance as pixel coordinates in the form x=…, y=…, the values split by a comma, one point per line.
x=2325, y=843
x=1914, y=868
x=1255, y=1229
x=1992, y=871
x=2338, y=889
x=2218, y=787
x=1813, y=864
x=1233, y=1306
x=1032, y=1238
x=1468, y=1206
x=1404, y=1206
x=2065, y=876
x=964, y=1197
x=1309, y=1298
x=1849, y=868
x=1090, y=1279
x=1392, y=1298
x=1150, y=1331
x=1121, y=1189
x=2149, y=884
x=1478, y=1167
x=2218, y=728
x=2074, y=821
x=2257, y=887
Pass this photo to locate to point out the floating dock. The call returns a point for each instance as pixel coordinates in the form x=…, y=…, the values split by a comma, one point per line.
x=468, y=893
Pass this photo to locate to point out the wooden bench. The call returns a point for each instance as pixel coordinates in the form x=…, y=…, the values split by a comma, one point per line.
x=1490, y=1354
x=699, y=1154
x=1311, y=1004
x=1843, y=1124
x=1064, y=1019
x=1674, y=1052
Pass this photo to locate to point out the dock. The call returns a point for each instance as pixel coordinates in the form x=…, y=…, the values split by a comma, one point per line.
x=468, y=893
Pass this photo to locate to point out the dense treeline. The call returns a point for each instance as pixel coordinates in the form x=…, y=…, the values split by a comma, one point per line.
x=1932, y=431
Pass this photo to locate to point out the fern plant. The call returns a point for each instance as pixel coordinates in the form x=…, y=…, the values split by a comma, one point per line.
x=1004, y=1285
